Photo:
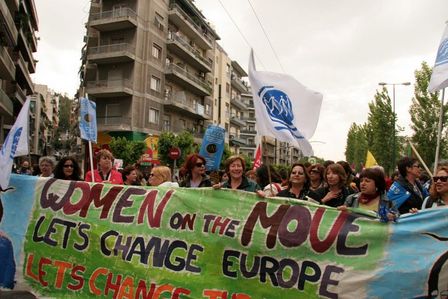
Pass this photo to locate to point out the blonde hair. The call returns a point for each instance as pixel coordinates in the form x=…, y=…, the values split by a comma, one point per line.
x=163, y=172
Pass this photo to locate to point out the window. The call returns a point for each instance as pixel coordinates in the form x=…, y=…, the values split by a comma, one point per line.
x=153, y=116
x=166, y=124
x=227, y=88
x=156, y=51
x=112, y=114
x=155, y=83
x=158, y=21
x=183, y=123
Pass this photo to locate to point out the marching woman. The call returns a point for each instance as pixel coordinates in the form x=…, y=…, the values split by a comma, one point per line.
x=438, y=192
x=67, y=169
x=235, y=169
x=105, y=173
x=195, y=172
x=336, y=192
x=299, y=184
x=130, y=176
x=316, y=173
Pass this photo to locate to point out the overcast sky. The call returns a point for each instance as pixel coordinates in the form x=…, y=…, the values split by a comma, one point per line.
x=339, y=48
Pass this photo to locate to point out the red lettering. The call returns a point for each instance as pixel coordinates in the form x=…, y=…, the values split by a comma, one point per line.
x=141, y=289
x=78, y=278
x=29, y=265
x=92, y=287
x=148, y=206
x=62, y=266
x=322, y=246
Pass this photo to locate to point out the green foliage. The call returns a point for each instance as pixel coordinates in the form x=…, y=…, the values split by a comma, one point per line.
x=129, y=151
x=380, y=131
x=184, y=141
x=357, y=146
x=425, y=111
x=225, y=155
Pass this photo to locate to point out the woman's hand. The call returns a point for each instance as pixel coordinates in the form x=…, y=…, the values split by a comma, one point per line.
x=260, y=193
x=217, y=186
x=330, y=195
x=413, y=210
x=342, y=208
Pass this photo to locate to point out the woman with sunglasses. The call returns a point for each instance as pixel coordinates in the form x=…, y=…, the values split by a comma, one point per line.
x=195, y=177
x=161, y=176
x=316, y=173
x=299, y=184
x=67, y=169
x=438, y=192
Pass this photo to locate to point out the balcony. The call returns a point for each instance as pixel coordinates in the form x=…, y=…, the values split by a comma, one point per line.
x=235, y=140
x=20, y=94
x=7, y=67
x=193, y=110
x=238, y=84
x=250, y=119
x=188, y=80
x=237, y=121
x=110, y=88
x=182, y=48
x=248, y=132
x=26, y=50
x=237, y=102
x=113, y=123
x=22, y=72
x=117, y=19
x=8, y=28
x=113, y=53
x=182, y=20
x=6, y=105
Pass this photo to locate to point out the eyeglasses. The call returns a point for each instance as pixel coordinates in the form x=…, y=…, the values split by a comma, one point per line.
x=199, y=164
x=314, y=171
x=443, y=179
x=68, y=166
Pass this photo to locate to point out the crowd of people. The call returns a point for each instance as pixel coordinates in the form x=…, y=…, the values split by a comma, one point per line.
x=333, y=184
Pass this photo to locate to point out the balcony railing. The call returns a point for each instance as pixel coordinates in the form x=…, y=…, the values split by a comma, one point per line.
x=190, y=106
x=174, y=6
x=238, y=103
x=112, y=48
x=125, y=83
x=172, y=37
x=113, y=14
x=113, y=120
x=171, y=67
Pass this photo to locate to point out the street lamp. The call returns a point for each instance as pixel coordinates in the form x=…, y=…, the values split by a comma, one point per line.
x=393, y=111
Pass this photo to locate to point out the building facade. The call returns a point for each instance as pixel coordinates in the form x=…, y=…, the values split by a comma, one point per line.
x=18, y=42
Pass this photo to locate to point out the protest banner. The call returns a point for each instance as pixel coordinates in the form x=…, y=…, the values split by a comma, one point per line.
x=82, y=240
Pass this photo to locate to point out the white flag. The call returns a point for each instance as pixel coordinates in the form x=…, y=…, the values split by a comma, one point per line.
x=439, y=77
x=284, y=108
x=15, y=145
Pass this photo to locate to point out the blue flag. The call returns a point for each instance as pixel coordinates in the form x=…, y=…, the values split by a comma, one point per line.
x=87, y=123
x=398, y=194
x=213, y=147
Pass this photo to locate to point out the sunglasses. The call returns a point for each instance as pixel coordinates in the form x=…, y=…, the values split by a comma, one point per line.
x=151, y=175
x=68, y=166
x=199, y=164
x=314, y=171
x=443, y=179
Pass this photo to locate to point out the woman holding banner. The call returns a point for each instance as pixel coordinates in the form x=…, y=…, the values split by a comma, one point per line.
x=299, y=184
x=195, y=172
x=104, y=173
x=235, y=169
x=438, y=192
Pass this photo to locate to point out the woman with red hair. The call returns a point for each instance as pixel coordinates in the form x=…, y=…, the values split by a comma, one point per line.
x=194, y=167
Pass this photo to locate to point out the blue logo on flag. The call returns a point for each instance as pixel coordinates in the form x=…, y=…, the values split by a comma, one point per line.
x=15, y=143
x=442, y=53
x=279, y=108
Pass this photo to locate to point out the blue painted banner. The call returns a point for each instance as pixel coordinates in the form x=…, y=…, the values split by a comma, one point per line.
x=63, y=239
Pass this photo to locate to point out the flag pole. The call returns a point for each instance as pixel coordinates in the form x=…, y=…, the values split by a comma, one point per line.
x=268, y=166
x=91, y=161
x=439, y=133
x=419, y=157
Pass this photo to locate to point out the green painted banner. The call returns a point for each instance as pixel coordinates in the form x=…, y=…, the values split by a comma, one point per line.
x=114, y=241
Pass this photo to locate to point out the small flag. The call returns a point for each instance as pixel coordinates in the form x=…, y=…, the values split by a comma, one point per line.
x=439, y=77
x=284, y=108
x=212, y=147
x=87, y=123
x=257, y=158
x=370, y=160
x=15, y=145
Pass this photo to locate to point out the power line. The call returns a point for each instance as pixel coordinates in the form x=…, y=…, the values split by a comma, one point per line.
x=241, y=33
x=266, y=35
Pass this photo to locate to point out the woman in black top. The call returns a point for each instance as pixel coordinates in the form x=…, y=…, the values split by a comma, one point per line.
x=336, y=192
x=299, y=184
x=67, y=169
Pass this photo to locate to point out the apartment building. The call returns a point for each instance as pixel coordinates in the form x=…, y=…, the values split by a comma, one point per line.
x=248, y=133
x=18, y=42
x=148, y=64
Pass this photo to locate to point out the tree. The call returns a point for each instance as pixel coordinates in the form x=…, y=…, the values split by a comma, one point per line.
x=128, y=150
x=425, y=110
x=167, y=140
x=357, y=145
x=380, y=131
x=64, y=140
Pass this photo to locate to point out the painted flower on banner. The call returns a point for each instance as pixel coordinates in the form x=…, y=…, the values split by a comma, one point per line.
x=279, y=108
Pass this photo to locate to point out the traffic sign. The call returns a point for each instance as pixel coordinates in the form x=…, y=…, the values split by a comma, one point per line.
x=174, y=153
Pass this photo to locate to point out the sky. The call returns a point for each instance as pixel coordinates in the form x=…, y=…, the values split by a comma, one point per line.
x=341, y=49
